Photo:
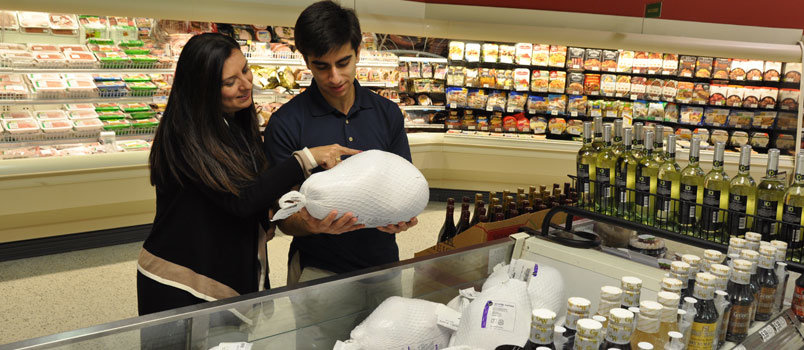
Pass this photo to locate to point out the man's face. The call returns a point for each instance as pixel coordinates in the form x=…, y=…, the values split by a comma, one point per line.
x=334, y=72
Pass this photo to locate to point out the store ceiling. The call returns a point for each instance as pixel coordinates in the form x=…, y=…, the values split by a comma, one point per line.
x=768, y=13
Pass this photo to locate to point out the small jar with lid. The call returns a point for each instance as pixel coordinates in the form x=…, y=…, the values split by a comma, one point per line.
x=710, y=257
x=736, y=244
x=722, y=273
x=541, y=330
x=610, y=297
x=577, y=308
x=632, y=289
x=588, y=336
x=619, y=329
x=647, y=329
x=753, y=240
x=672, y=285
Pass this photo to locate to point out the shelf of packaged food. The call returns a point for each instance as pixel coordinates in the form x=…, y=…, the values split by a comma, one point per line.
x=127, y=99
x=422, y=108
x=424, y=126
x=423, y=59
x=300, y=62
x=86, y=70
x=382, y=84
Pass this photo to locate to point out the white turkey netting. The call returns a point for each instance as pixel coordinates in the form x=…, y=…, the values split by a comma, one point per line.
x=379, y=188
x=402, y=323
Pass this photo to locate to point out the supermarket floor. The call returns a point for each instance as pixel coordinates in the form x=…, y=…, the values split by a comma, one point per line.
x=56, y=293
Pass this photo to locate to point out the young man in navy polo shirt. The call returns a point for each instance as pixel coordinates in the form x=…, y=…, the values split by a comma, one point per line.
x=334, y=109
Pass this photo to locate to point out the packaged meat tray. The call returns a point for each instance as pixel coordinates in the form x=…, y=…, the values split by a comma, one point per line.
x=507, y=54
x=716, y=116
x=655, y=62
x=43, y=76
x=734, y=96
x=759, y=140
x=575, y=83
x=79, y=107
x=83, y=114
x=16, y=115
x=670, y=64
x=136, y=77
x=34, y=22
x=741, y=119
x=74, y=48
x=107, y=107
x=591, y=84
x=134, y=107
x=686, y=66
x=539, y=81
x=669, y=90
x=609, y=63
x=11, y=79
x=144, y=123
x=685, y=91
x=641, y=61
x=21, y=126
x=575, y=57
x=49, y=88
x=18, y=59
x=558, y=80
x=13, y=91
x=56, y=126
x=111, y=116
x=63, y=24
x=51, y=115
x=134, y=145
x=50, y=60
x=700, y=93
x=107, y=77
x=491, y=52
x=788, y=99
x=89, y=124
x=786, y=120
x=639, y=87
x=112, y=59
x=738, y=69
x=77, y=76
x=703, y=68
x=79, y=59
x=768, y=96
x=111, y=88
x=754, y=70
x=593, y=59
x=792, y=72
x=37, y=48
x=608, y=84
x=773, y=71
x=93, y=26
x=720, y=68
x=13, y=47
x=104, y=48
x=764, y=119
x=623, y=86
x=147, y=61
x=80, y=85
x=8, y=21
x=116, y=124
x=751, y=95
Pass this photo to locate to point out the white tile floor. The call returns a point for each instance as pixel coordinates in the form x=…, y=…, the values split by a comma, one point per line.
x=56, y=293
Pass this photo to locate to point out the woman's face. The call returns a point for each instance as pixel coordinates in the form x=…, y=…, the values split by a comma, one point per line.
x=235, y=83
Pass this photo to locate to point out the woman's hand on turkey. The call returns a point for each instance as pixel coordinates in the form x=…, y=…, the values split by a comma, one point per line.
x=329, y=156
x=402, y=226
x=329, y=225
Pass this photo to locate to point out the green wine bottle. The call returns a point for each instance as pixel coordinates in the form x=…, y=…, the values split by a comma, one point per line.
x=742, y=196
x=647, y=175
x=667, y=189
x=793, y=204
x=639, y=142
x=770, y=199
x=716, y=198
x=618, y=146
x=658, y=144
x=692, y=189
x=625, y=189
x=598, y=141
x=606, y=167
x=587, y=158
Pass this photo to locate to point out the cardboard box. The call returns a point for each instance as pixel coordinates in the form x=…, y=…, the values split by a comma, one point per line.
x=489, y=231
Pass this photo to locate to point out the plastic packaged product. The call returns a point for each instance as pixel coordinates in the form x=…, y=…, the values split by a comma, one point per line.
x=537, y=104
x=44, y=76
x=669, y=90
x=625, y=61
x=754, y=70
x=611, y=109
x=13, y=91
x=627, y=112
x=558, y=79
x=741, y=119
x=456, y=50
x=641, y=61
x=111, y=115
x=720, y=136
x=792, y=72
x=8, y=21
x=142, y=89
x=21, y=126
x=700, y=93
x=16, y=115
x=49, y=88
x=80, y=85
x=50, y=59
x=622, y=86
x=577, y=105
x=670, y=64
x=491, y=52
x=788, y=99
x=93, y=26
x=557, y=104
x=477, y=98
x=457, y=97
x=767, y=97
x=720, y=68
x=522, y=79
x=671, y=112
x=112, y=59
x=144, y=123
x=734, y=96
x=595, y=108
x=538, y=125
x=759, y=140
x=608, y=84
x=738, y=139
x=655, y=61
x=684, y=134
x=56, y=126
x=51, y=115
x=738, y=69
x=773, y=71
x=654, y=89
x=34, y=22
x=507, y=54
x=691, y=115
x=557, y=126
x=439, y=72
x=73, y=48
x=540, y=55
x=115, y=124
x=79, y=59
x=575, y=83
x=18, y=59
x=718, y=94
x=509, y=124
x=785, y=142
x=703, y=67
x=639, y=87
x=37, y=48
x=703, y=135
x=540, y=81
x=786, y=120
x=483, y=122
x=575, y=57
x=558, y=55
x=751, y=96
x=472, y=77
x=516, y=101
x=11, y=79
x=107, y=77
x=83, y=114
x=685, y=92
x=63, y=24
x=134, y=107
x=716, y=116
x=591, y=84
x=496, y=101
x=110, y=85
x=656, y=111
x=640, y=110
x=764, y=119
x=107, y=107
x=523, y=53
x=139, y=77
x=87, y=124
x=574, y=127
x=472, y=52
x=592, y=60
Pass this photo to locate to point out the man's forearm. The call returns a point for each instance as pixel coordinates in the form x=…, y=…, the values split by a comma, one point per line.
x=294, y=226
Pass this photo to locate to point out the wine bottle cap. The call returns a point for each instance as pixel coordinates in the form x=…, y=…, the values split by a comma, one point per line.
x=713, y=255
x=639, y=132
x=800, y=164
x=631, y=283
x=753, y=236
x=773, y=159
x=693, y=260
x=672, y=284
x=650, y=309
x=658, y=133
x=745, y=155
x=705, y=278
x=671, y=144
x=634, y=310
x=589, y=328
x=649, y=139
x=721, y=293
x=607, y=133
x=542, y=348
x=741, y=264
x=682, y=313
x=645, y=346
x=680, y=267
x=610, y=293
x=599, y=318
x=719, y=148
x=451, y=201
x=618, y=127
x=719, y=270
x=767, y=250
x=587, y=131
x=690, y=300
x=544, y=317
x=668, y=299
x=627, y=136
x=750, y=255
x=695, y=147
x=621, y=316
x=578, y=304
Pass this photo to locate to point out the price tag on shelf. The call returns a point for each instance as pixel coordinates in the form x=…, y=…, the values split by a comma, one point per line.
x=453, y=105
x=531, y=111
x=554, y=112
x=511, y=129
x=510, y=109
x=486, y=86
x=608, y=94
x=633, y=97
x=471, y=127
x=596, y=113
x=612, y=70
x=756, y=78
x=574, y=113
x=489, y=108
x=160, y=99
x=594, y=93
x=611, y=114
x=687, y=75
x=753, y=105
x=525, y=129
x=651, y=72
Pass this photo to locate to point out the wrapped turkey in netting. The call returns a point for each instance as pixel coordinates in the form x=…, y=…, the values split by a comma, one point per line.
x=400, y=323
x=546, y=288
x=499, y=315
x=379, y=188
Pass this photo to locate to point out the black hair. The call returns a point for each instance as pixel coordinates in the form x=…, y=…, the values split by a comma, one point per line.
x=325, y=26
x=194, y=143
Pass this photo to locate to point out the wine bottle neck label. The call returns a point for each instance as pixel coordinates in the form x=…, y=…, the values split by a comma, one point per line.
x=744, y=168
x=717, y=163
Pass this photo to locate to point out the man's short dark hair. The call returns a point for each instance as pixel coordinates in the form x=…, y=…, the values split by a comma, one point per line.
x=325, y=26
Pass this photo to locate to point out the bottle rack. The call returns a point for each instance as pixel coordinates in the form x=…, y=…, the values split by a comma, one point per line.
x=782, y=333
x=694, y=234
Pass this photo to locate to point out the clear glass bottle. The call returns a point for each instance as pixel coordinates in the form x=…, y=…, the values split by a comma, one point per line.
x=723, y=309
x=695, y=265
x=768, y=282
x=687, y=318
x=668, y=318
x=753, y=257
x=781, y=273
x=741, y=298
x=742, y=196
x=722, y=273
x=617, y=144
x=647, y=329
x=606, y=168
x=704, y=328
x=692, y=189
x=619, y=330
x=610, y=297
x=792, y=217
x=716, y=197
x=541, y=331
x=587, y=160
x=668, y=188
x=674, y=341
x=646, y=179
x=625, y=183
x=588, y=335
x=597, y=143
x=632, y=290
x=770, y=199
x=658, y=144
x=577, y=308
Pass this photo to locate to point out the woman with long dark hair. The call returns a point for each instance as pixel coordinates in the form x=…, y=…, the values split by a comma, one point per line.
x=213, y=186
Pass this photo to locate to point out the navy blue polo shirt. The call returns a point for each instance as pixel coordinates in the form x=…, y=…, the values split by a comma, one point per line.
x=308, y=120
